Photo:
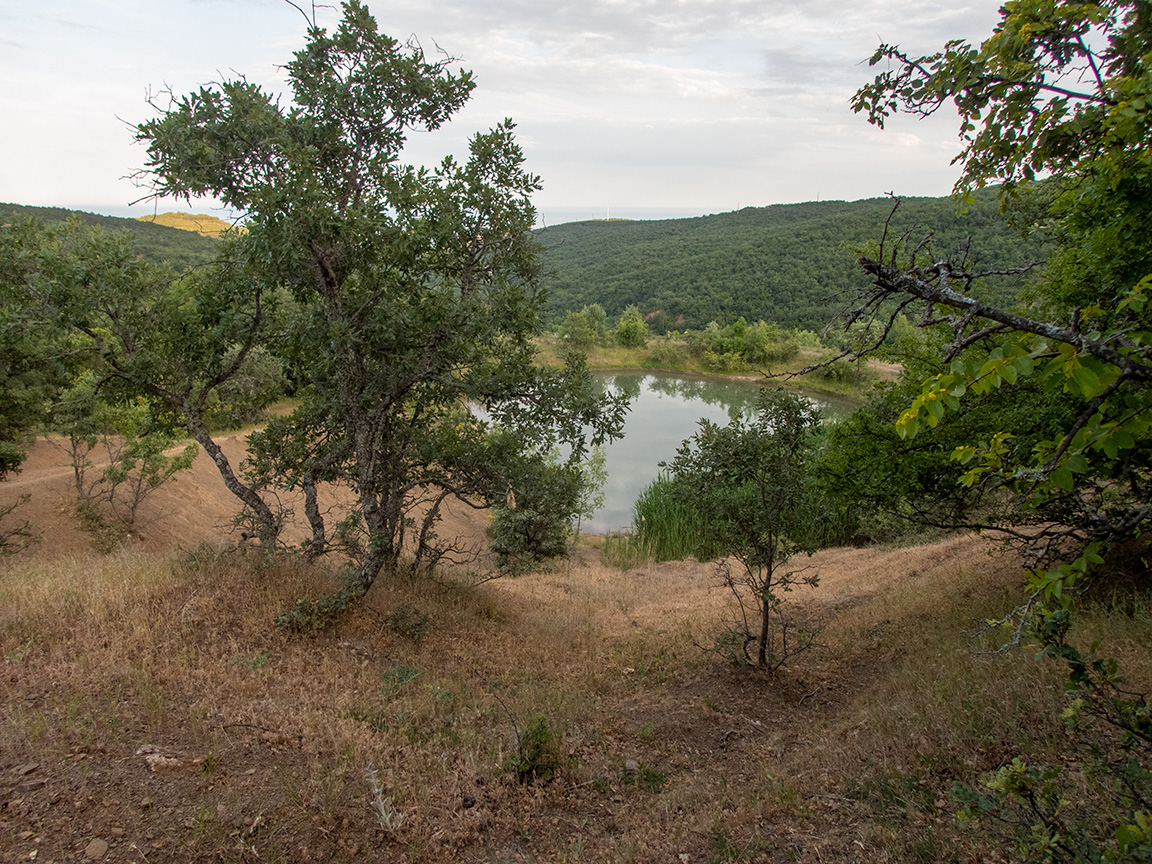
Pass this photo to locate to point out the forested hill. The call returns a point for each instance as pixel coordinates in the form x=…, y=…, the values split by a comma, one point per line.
x=175, y=246
x=788, y=263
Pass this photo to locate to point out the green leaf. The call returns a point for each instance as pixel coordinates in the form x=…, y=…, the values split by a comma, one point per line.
x=1076, y=463
x=1061, y=478
x=1088, y=381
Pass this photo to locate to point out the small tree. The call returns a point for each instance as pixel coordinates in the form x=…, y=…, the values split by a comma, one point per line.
x=750, y=480
x=131, y=440
x=585, y=328
x=631, y=331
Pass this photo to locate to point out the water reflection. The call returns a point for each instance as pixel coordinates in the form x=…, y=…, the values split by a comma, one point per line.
x=665, y=411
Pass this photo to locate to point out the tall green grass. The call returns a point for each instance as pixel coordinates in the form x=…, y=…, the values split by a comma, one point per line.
x=663, y=529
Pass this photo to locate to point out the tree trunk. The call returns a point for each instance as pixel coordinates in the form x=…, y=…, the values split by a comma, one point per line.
x=762, y=660
x=766, y=611
x=267, y=527
x=315, y=519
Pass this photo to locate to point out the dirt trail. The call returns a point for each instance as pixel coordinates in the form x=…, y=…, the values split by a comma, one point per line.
x=193, y=508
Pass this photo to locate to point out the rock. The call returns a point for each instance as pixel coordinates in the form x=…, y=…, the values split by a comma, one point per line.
x=631, y=765
x=26, y=769
x=96, y=850
x=160, y=762
x=29, y=785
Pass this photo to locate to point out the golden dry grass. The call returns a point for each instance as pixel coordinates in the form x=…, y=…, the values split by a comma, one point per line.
x=262, y=739
x=200, y=223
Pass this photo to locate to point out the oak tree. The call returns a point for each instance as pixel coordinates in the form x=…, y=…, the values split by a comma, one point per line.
x=413, y=291
x=1056, y=107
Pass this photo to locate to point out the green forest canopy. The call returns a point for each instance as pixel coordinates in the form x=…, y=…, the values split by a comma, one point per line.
x=162, y=244
x=793, y=264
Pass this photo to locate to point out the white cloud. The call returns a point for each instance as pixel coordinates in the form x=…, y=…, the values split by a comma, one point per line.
x=689, y=103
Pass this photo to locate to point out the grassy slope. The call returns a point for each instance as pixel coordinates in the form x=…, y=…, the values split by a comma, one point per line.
x=199, y=223
x=260, y=740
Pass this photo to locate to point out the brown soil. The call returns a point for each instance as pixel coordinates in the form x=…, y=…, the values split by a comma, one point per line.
x=193, y=508
x=171, y=722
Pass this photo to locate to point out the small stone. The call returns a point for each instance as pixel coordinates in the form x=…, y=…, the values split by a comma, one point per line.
x=29, y=785
x=117, y=833
x=145, y=802
x=631, y=765
x=96, y=850
x=24, y=835
x=683, y=858
x=27, y=768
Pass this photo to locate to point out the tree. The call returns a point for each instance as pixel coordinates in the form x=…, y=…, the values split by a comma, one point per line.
x=631, y=330
x=1057, y=107
x=1061, y=90
x=144, y=330
x=132, y=441
x=750, y=481
x=35, y=359
x=585, y=328
x=415, y=291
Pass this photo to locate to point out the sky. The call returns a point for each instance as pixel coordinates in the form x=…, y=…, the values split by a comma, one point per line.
x=628, y=108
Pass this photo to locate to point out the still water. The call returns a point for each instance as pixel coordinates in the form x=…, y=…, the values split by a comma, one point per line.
x=666, y=410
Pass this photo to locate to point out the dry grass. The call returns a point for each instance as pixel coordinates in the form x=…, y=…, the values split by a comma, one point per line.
x=662, y=752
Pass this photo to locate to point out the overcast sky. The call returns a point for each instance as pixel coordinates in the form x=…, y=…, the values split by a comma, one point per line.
x=649, y=108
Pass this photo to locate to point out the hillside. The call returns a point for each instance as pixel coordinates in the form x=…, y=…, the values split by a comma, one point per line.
x=789, y=263
x=177, y=247
x=208, y=226
x=154, y=714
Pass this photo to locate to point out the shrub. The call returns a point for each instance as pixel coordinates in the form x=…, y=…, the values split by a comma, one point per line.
x=631, y=331
x=666, y=354
x=537, y=755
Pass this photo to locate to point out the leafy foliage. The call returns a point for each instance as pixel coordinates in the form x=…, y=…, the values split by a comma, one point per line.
x=537, y=751
x=142, y=331
x=1058, y=88
x=132, y=442
x=631, y=331
x=36, y=360
x=414, y=292
x=790, y=263
x=585, y=328
x=750, y=481
x=1031, y=802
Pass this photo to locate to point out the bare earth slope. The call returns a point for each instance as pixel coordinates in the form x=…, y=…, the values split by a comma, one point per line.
x=152, y=713
x=191, y=509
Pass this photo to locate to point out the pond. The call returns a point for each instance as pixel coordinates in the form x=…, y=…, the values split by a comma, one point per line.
x=665, y=411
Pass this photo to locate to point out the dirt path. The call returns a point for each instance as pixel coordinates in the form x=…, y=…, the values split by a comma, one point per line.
x=193, y=508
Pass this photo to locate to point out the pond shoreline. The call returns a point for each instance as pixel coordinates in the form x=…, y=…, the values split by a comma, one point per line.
x=666, y=410
x=613, y=359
